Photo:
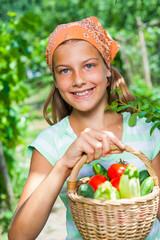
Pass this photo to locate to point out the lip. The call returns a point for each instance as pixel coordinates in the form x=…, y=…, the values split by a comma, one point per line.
x=91, y=90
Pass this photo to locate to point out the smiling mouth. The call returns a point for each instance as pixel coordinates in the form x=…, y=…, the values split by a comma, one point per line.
x=82, y=93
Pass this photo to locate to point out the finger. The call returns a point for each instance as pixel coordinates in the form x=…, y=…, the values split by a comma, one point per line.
x=115, y=140
x=86, y=148
x=91, y=138
x=105, y=137
x=96, y=145
x=102, y=137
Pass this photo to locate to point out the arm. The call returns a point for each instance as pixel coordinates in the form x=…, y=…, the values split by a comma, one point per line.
x=39, y=194
x=45, y=182
x=156, y=166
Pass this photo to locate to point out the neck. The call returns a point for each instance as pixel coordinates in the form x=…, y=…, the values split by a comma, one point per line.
x=98, y=120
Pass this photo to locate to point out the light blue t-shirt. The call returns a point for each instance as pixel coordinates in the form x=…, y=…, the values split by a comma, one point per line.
x=53, y=142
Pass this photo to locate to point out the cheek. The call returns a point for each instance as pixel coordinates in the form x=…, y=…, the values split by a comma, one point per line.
x=100, y=74
x=62, y=85
x=99, y=78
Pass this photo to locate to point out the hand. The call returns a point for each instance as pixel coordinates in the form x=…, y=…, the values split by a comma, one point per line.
x=94, y=143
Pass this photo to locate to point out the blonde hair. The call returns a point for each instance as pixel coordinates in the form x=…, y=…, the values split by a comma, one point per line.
x=61, y=109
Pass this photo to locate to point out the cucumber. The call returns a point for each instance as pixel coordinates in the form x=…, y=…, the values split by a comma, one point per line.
x=147, y=186
x=98, y=169
x=86, y=190
x=143, y=175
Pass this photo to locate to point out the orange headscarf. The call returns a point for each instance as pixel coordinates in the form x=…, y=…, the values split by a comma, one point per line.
x=88, y=29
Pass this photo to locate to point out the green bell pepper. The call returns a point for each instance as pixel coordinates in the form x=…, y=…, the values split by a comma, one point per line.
x=129, y=183
x=107, y=192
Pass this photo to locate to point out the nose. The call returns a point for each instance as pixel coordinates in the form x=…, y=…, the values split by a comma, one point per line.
x=78, y=79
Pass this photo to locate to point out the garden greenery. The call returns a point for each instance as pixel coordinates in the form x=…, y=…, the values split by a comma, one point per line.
x=142, y=108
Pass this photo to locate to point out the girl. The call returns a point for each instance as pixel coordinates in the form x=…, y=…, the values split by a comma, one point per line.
x=79, y=56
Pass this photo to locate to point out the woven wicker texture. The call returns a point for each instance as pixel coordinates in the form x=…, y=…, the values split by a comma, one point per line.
x=113, y=220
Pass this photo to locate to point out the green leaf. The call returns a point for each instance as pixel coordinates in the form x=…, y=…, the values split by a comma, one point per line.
x=123, y=107
x=117, y=90
x=49, y=110
x=132, y=120
x=154, y=127
x=142, y=114
x=135, y=104
x=149, y=119
x=11, y=14
x=109, y=107
x=112, y=106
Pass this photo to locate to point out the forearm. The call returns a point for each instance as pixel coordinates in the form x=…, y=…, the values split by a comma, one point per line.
x=31, y=217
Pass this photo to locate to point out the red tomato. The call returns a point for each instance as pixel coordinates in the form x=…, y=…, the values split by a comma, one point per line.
x=116, y=170
x=96, y=180
x=115, y=182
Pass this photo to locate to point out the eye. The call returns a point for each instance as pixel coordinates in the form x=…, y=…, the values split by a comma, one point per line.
x=89, y=65
x=64, y=71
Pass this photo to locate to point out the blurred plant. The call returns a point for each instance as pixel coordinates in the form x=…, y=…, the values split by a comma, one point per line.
x=16, y=52
x=146, y=104
x=5, y=219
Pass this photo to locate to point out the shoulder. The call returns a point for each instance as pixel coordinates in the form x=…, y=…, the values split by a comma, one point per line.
x=140, y=136
x=58, y=127
x=55, y=134
x=50, y=140
x=141, y=125
x=53, y=141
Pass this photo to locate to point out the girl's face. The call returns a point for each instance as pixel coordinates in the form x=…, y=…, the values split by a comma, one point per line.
x=80, y=75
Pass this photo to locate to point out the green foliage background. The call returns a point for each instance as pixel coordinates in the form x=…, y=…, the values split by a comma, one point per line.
x=25, y=78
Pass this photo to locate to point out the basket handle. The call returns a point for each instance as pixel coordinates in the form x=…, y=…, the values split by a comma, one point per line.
x=72, y=182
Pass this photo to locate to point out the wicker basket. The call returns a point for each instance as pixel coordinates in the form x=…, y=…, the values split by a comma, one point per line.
x=130, y=219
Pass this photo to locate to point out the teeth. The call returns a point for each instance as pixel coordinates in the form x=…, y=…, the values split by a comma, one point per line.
x=83, y=93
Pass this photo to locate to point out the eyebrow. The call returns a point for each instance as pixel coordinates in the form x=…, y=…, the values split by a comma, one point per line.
x=65, y=65
x=90, y=59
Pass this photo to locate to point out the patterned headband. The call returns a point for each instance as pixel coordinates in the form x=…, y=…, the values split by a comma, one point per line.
x=88, y=29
